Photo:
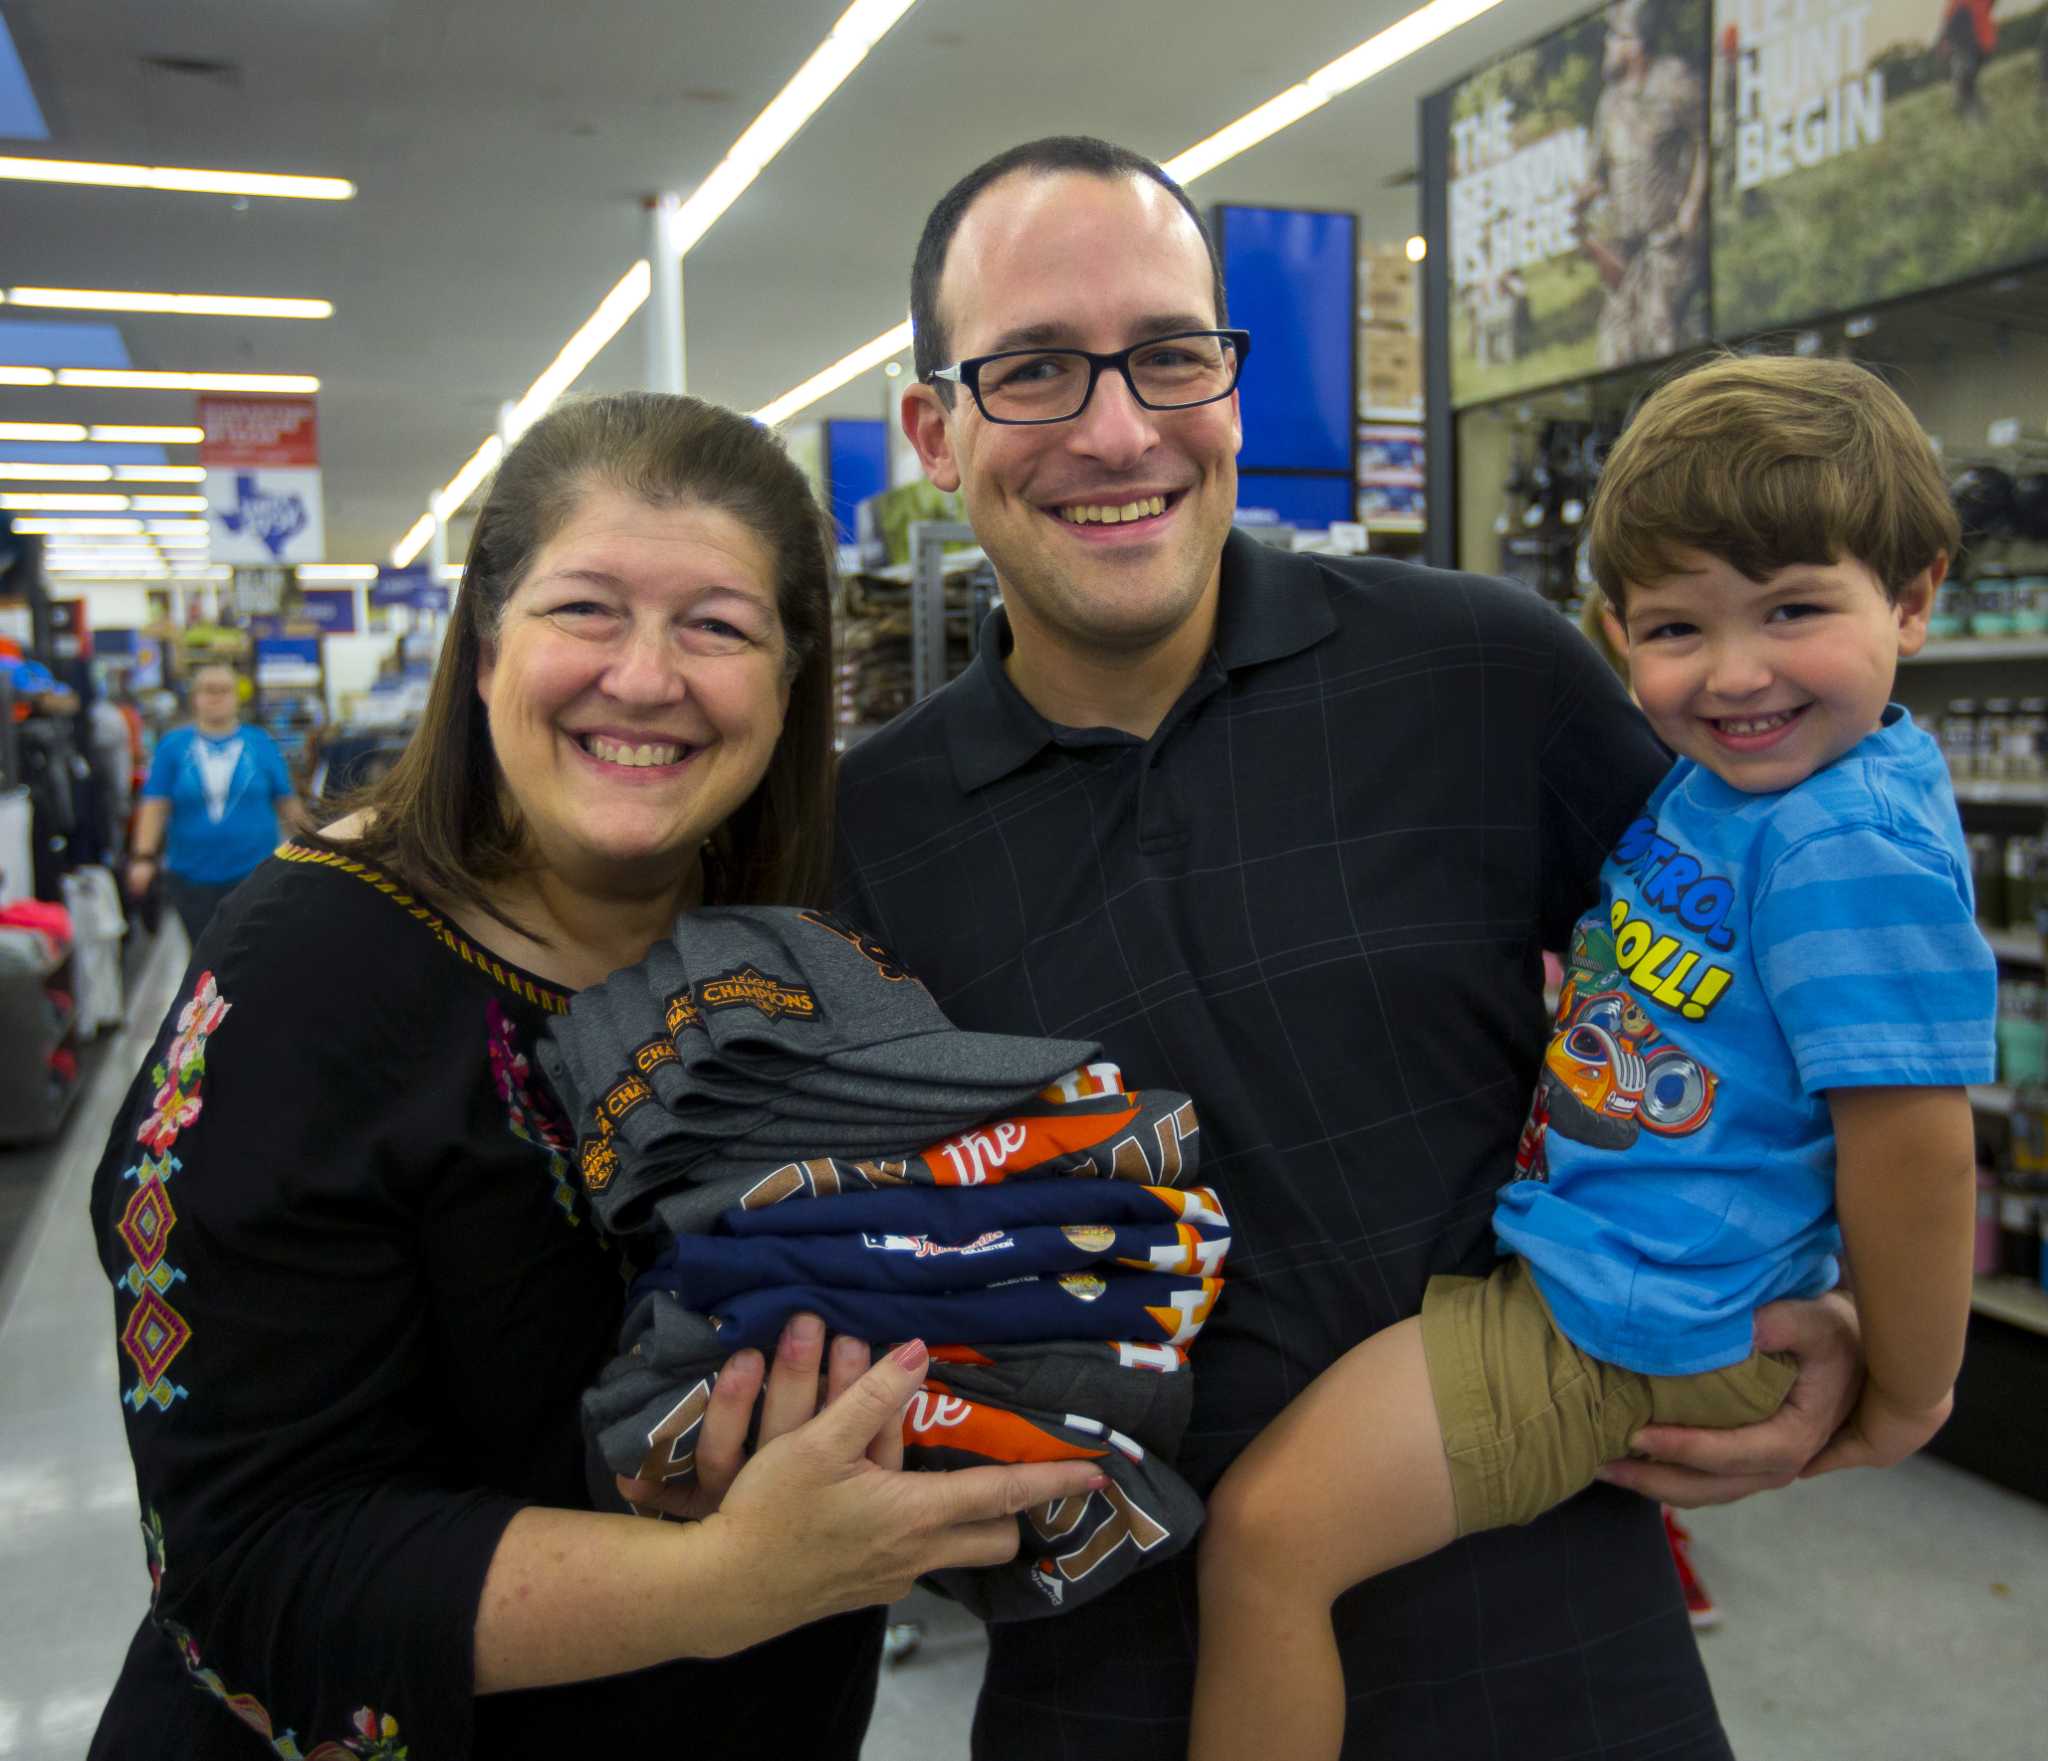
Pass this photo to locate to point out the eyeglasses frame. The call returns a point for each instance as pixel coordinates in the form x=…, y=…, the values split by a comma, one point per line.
x=967, y=372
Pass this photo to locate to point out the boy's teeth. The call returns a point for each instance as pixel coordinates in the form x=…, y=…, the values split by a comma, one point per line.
x=618, y=752
x=1115, y=514
x=1757, y=725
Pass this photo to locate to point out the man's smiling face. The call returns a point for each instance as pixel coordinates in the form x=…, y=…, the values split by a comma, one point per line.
x=1079, y=261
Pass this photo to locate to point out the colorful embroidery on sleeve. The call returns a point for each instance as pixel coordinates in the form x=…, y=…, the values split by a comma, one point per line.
x=154, y=1332
x=528, y=1110
x=376, y=1737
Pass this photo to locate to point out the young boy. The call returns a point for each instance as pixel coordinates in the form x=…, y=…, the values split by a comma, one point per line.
x=1758, y=1058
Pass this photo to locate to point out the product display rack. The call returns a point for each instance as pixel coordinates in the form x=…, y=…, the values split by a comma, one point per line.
x=901, y=630
x=38, y=1023
x=290, y=714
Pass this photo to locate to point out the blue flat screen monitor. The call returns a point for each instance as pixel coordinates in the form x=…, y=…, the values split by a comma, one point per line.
x=856, y=466
x=1292, y=280
x=1308, y=502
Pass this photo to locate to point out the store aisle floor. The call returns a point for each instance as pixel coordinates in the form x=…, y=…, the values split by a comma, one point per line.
x=1865, y=1617
x=72, y=1582
x=1885, y=1617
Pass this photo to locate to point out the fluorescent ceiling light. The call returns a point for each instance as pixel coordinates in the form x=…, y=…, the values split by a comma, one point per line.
x=159, y=473
x=179, y=528
x=1401, y=39
x=168, y=504
x=845, y=47
x=111, y=567
x=27, y=376
x=42, y=431
x=1282, y=110
x=873, y=354
x=173, y=436
x=219, y=572
x=57, y=473
x=85, y=299
x=318, y=572
x=414, y=541
x=33, y=500
x=128, y=379
x=628, y=295
x=79, y=528
x=1375, y=55
x=479, y=465
x=859, y=28
x=173, y=177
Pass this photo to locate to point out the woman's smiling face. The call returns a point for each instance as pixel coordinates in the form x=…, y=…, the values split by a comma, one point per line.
x=636, y=686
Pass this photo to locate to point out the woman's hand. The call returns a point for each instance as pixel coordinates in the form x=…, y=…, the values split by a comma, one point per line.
x=1691, y=1468
x=793, y=1394
x=823, y=1520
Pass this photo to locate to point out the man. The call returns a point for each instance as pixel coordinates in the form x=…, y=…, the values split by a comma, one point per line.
x=1287, y=834
x=1650, y=164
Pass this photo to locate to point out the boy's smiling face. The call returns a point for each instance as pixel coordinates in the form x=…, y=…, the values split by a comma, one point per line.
x=1766, y=683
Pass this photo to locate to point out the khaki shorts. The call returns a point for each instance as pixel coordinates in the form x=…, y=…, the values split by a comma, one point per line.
x=1527, y=1417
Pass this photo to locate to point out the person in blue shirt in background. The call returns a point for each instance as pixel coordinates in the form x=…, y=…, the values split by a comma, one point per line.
x=1758, y=1060
x=211, y=805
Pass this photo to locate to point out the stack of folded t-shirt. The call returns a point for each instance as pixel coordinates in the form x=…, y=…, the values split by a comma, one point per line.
x=1003, y=1197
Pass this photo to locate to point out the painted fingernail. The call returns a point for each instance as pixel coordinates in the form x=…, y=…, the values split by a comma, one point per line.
x=848, y=1349
x=910, y=1356
x=807, y=1330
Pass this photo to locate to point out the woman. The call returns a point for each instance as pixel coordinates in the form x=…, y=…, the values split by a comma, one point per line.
x=210, y=808
x=358, y=1296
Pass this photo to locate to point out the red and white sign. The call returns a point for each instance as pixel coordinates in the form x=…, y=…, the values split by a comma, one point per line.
x=262, y=459
x=258, y=431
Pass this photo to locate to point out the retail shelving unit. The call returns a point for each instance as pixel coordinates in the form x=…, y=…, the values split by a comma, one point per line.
x=39, y=1028
x=903, y=629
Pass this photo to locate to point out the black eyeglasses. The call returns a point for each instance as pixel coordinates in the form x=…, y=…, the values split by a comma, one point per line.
x=1175, y=372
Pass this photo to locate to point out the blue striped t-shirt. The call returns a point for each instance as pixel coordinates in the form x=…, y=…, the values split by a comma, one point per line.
x=1749, y=953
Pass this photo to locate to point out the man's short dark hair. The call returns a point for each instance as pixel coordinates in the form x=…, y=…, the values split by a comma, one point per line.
x=1046, y=158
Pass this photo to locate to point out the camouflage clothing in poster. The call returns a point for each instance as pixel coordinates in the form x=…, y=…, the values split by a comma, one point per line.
x=1648, y=136
x=1654, y=310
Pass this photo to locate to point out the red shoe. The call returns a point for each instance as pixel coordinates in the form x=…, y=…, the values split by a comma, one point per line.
x=1698, y=1604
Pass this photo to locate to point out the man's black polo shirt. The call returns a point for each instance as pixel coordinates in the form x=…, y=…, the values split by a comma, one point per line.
x=1315, y=901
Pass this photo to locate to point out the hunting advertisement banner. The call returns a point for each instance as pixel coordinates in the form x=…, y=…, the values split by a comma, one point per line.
x=1865, y=149
x=1578, y=201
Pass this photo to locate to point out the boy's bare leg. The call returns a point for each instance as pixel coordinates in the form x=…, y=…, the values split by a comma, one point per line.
x=1348, y=1482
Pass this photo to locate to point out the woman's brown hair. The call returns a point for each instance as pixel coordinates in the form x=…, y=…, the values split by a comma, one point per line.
x=439, y=820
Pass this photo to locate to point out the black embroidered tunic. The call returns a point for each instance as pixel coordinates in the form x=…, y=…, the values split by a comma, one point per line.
x=358, y=1298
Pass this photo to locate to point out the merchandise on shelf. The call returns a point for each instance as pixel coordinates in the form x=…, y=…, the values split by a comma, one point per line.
x=1390, y=478
x=872, y=674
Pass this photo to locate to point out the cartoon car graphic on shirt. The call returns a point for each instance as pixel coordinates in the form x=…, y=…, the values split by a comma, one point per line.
x=1608, y=1073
